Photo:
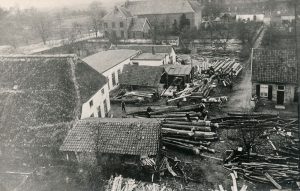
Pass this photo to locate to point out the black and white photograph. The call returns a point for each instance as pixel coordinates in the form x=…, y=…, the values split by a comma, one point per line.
x=149, y=95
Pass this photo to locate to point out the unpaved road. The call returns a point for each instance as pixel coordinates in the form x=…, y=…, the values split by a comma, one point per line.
x=240, y=98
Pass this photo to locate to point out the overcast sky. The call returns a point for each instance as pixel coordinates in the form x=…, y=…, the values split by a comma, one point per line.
x=52, y=3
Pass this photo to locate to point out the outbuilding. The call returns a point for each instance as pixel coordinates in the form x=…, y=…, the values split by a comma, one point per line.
x=274, y=75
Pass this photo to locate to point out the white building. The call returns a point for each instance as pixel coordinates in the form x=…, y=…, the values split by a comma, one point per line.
x=150, y=59
x=152, y=55
x=110, y=63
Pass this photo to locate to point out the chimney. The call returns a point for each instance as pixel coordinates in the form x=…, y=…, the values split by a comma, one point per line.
x=153, y=50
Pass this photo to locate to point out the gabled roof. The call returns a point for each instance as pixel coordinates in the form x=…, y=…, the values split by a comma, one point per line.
x=139, y=24
x=102, y=61
x=167, y=49
x=162, y=7
x=274, y=66
x=41, y=89
x=114, y=135
x=117, y=12
x=178, y=70
x=141, y=75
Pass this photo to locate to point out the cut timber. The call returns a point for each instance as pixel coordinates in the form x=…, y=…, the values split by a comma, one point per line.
x=244, y=188
x=169, y=168
x=273, y=181
x=234, y=186
x=221, y=188
x=215, y=158
x=187, y=127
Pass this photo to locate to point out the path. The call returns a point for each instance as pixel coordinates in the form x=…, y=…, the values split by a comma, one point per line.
x=241, y=96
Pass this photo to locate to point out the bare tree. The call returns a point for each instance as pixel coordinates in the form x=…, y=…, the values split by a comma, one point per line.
x=41, y=23
x=96, y=12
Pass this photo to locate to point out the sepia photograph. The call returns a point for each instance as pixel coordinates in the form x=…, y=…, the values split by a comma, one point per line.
x=149, y=95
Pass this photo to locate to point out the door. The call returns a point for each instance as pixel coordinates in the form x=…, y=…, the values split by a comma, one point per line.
x=258, y=90
x=280, y=97
x=270, y=91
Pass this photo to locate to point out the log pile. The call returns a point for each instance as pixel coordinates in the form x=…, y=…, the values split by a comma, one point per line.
x=278, y=168
x=190, y=137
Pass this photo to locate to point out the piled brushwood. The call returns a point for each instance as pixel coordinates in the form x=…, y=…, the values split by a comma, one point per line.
x=278, y=168
x=132, y=97
x=127, y=184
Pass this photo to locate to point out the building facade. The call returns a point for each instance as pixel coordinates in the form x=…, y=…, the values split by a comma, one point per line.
x=274, y=75
x=120, y=24
x=110, y=63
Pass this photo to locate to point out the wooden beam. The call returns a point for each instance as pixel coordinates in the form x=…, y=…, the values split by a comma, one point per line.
x=269, y=177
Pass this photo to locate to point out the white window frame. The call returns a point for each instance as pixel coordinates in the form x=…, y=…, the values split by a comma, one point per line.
x=264, y=90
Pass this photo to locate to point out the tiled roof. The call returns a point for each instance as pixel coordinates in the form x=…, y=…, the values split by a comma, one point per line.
x=114, y=135
x=178, y=70
x=162, y=7
x=167, y=49
x=105, y=60
x=274, y=66
x=141, y=75
x=150, y=56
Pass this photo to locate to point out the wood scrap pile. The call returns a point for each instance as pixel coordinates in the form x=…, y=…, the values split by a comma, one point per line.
x=126, y=184
x=279, y=167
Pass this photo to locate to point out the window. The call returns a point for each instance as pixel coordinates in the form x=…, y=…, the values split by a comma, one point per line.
x=122, y=34
x=99, y=111
x=91, y=103
x=135, y=63
x=102, y=91
x=121, y=24
x=113, y=77
x=296, y=95
x=105, y=107
x=113, y=24
x=280, y=88
x=264, y=90
x=105, y=25
x=119, y=72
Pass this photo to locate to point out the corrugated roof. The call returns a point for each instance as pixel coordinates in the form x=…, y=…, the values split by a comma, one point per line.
x=105, y=60
x=114, y=135
x=274, y=66
x=161, y=7
x=141, y=75
x=178, y=70
x=167, y=49
x=150, y=56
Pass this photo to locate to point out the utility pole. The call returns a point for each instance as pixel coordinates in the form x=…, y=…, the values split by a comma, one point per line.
x=297, y=35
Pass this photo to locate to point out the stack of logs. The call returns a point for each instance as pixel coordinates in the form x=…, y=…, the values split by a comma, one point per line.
x=192, y=137
x=184, y=128
x=279, y=168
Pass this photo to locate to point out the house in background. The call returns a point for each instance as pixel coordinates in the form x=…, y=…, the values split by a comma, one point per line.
x=121, y=22
x=166, y=13
x=112, y=142
x=274, y=75
x=152, y=55
x=110, y=63
x=177, y=75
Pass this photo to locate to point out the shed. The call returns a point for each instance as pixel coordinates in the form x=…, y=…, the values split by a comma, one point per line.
x=179, y=74
x=112, y=141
